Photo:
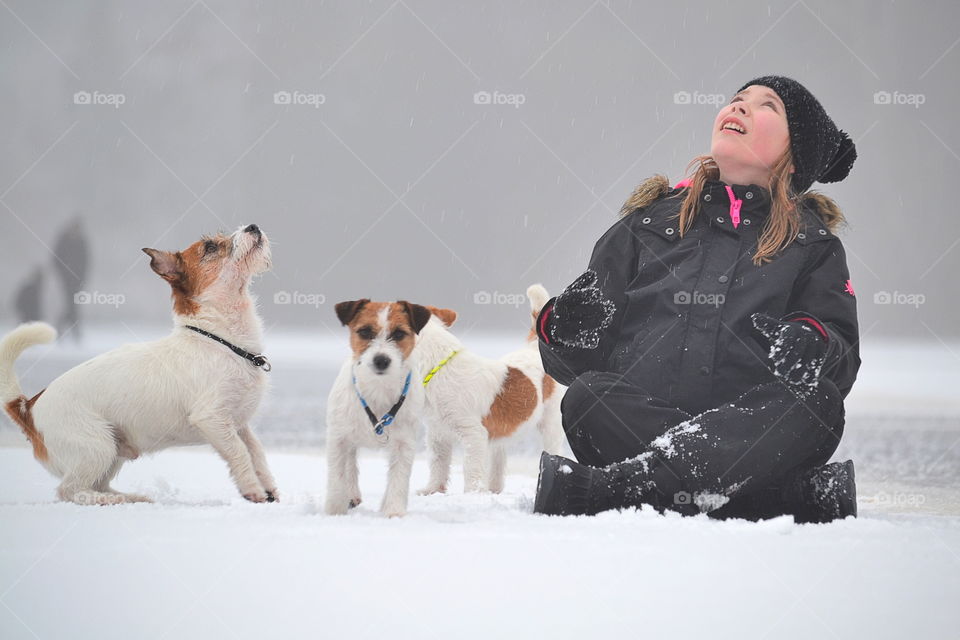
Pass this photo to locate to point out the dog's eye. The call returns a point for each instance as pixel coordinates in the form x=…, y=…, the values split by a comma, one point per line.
x=366, y=333
x=209, y=247
x=398, y=335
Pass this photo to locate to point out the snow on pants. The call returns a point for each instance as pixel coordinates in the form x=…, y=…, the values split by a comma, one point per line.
x=753, y=443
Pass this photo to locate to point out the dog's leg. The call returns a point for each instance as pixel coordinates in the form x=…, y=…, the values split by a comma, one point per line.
x=260, y=467
x=85, y=456
x=474, y=437
x=351, y=478
x=80, y=482
x=551, y=426
x=225, y=439
x=103, y=484
x=441, y=454
x=498, y=466
x=398, y=477
x=339, y=456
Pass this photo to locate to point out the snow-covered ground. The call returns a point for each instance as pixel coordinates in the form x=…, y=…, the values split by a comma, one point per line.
x=201, y=562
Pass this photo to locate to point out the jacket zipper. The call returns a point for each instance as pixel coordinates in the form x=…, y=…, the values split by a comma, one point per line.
x=734, y=207
x=735, y=204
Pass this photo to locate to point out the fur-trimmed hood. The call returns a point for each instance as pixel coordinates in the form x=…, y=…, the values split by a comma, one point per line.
x=657, y=186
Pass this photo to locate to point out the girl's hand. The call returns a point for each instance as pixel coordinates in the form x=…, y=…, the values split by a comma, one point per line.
x=581, y=313
x=797, y=350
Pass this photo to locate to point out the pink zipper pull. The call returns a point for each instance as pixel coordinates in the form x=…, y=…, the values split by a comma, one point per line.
x=734, y=207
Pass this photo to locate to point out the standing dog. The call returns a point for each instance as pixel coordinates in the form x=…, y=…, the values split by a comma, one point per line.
x=194, y=386
x=376, y=401
x=484, y=401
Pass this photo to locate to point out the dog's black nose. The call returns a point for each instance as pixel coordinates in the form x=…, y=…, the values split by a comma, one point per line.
x=381, y=362
x=254, y=229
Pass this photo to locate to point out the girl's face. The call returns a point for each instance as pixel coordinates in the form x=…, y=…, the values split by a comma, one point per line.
x=747, y=156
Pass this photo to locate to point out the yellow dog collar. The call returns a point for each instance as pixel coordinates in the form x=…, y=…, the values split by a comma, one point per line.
x=433, y=371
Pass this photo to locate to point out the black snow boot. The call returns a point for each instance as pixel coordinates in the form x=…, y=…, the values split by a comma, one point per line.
x=819, y=495
x=824, y=494
x=567, y=488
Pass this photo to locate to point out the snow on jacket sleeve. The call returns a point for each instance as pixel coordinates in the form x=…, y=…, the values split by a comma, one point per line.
x=614, y=259
x=824, y=292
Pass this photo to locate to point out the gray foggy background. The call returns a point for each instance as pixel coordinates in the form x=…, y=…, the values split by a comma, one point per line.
x=357, y=136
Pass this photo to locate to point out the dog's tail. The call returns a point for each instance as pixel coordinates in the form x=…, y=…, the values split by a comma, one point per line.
x=538, y=296
x=17, y=405
x=12, y=345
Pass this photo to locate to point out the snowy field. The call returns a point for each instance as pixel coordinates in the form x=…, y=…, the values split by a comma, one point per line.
x=203, y=563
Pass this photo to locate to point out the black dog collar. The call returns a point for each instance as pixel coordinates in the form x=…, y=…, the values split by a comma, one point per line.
x=258, y=360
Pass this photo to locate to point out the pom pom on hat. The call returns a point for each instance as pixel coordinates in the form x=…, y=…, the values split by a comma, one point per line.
x=842, y=161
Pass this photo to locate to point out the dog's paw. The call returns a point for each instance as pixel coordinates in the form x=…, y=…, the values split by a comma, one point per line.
x=355, y=502
x=97, y=498
x=394, y=507
x=273, y=495
x=136, y=497
x=431, y=489
x=256, y=496
x=336, y=508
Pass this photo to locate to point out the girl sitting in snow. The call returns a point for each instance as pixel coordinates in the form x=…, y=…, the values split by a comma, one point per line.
x=710, y=345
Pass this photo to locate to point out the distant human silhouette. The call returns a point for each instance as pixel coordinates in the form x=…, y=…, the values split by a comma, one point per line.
x=29, y=298
x=71, y=265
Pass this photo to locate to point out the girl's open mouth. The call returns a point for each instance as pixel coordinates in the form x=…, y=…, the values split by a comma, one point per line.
x=733, y=127
x=734, y=124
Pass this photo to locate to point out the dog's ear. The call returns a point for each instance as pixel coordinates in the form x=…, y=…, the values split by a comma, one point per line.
x=165, y=264
x=348, y=310
x=447, y=316
x=418, y=314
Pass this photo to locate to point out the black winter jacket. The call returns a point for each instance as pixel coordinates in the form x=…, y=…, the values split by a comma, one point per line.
x=682, y=328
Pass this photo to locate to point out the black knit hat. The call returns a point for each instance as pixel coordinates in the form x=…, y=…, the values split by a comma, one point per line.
x=821, y=152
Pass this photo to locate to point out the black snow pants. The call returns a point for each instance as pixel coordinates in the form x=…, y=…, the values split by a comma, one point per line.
x=750, y=445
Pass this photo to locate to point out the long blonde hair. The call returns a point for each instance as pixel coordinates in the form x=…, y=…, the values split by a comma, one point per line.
x=783, y=223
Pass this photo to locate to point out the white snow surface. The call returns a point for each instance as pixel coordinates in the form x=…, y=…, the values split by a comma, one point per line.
x=202, y=563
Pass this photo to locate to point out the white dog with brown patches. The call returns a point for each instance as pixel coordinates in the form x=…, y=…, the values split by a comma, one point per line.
x=376, y=401
x=484, y=401
x=201, y=384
